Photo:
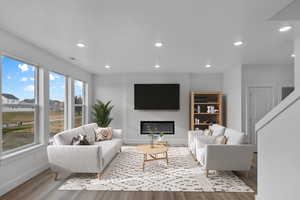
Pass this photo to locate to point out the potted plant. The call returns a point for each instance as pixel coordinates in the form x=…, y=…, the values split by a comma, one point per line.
x=101, y=113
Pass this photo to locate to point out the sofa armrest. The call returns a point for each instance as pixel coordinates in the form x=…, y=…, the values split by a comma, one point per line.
x=118, y=133
x=192, y=135
x=229, y=157
x=75, y=158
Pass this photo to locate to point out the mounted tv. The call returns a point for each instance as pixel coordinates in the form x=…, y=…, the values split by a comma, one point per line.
x=156, y=96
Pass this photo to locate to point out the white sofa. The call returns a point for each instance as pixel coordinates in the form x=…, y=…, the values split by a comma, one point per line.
x=83, y=158
x=235, y=155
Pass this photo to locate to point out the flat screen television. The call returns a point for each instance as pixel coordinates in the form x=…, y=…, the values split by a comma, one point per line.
x=156, y=96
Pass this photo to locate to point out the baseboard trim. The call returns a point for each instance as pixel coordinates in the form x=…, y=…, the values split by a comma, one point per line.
x=19, y=180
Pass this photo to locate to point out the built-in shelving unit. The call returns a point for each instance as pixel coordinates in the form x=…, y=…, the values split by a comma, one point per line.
x=206, y=109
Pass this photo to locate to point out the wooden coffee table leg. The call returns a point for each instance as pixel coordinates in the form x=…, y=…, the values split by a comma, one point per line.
x=167, y=158
x=145, y=158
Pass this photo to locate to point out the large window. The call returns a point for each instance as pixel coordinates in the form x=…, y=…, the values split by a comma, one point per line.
x=57, y=103
x=19, y=104
x=79, y=101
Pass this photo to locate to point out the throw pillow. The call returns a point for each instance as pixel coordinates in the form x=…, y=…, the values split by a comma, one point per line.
x=207, y=132
x=80, y=140
x=103, y=133
x=221, y=139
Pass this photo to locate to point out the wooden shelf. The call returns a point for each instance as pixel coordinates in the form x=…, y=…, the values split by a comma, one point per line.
x=203, y=100
x=202, y=124
x=206, y=113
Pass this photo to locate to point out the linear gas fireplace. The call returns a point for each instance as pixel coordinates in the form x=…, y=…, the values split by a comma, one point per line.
x=157, y=127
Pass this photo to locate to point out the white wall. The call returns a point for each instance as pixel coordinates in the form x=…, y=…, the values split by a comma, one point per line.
x=297, y=58
x=233, y=97
x=120, y=89
x=274, y=76
x=17, y=169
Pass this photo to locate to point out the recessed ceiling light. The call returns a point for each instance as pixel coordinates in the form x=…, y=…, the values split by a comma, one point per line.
x=107, y=66
x=207, y=66
x=81, y=45
x=157, y=66
x=285, y=28
x=158, y=44
x=238, y=43
x=293, y=55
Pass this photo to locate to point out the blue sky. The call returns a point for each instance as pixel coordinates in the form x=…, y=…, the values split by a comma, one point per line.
x=18, y=79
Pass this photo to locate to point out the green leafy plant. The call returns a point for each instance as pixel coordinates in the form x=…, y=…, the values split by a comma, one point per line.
x=101, y=113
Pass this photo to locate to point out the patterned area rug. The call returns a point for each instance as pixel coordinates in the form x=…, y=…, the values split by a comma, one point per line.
x=182, y=174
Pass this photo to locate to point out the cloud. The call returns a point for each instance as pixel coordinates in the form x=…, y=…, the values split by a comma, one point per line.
x=52, y=77
x=29, y=88
x=32, y=79
x=24, y=67
x=8, y=77
x=78, y=84
x=24, y=79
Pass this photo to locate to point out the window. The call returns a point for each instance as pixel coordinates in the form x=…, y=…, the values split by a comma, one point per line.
x=79, y=103
x=19, y=104
x=57, y=103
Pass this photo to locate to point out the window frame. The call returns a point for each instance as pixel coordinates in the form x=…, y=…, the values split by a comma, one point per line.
x=35, y=106
x=66, y=103
x=83, y=105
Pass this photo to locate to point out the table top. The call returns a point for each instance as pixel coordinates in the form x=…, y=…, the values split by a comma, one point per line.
x=156, y=149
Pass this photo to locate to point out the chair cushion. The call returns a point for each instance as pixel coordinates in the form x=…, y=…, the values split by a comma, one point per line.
x=234, y=137
x=221, y=139
x=207, y=132
x=217, y=130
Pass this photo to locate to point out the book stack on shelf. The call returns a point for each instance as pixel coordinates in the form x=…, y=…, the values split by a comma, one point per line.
x=206, y=109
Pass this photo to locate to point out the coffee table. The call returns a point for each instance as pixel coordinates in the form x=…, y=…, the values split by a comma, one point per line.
x=153, y=153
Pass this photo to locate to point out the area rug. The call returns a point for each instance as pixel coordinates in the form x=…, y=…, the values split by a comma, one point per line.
x=182, y=174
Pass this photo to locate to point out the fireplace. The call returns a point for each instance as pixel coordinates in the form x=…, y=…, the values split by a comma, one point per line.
x=157, y=127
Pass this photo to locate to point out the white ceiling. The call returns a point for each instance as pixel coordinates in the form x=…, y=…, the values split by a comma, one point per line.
x=122, y=33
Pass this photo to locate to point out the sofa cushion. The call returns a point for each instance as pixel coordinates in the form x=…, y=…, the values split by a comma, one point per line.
x=221, y=139
x=65, y=137
x=207, y=132
x=89, y=132
x=234, y=137
x=217, y=130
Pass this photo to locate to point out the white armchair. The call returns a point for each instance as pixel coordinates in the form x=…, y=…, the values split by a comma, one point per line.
x=232, y=156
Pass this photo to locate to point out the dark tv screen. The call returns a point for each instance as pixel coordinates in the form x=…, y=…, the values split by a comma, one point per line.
x=156, y=96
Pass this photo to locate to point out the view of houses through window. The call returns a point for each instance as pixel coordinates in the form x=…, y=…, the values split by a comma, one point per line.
x=20, y=108
x=19, y=103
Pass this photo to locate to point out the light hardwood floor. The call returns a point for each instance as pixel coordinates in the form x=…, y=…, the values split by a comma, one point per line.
x=43, y=187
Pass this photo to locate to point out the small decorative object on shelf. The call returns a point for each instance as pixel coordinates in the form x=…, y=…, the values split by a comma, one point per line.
x=206, y=108
x=198, y=109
